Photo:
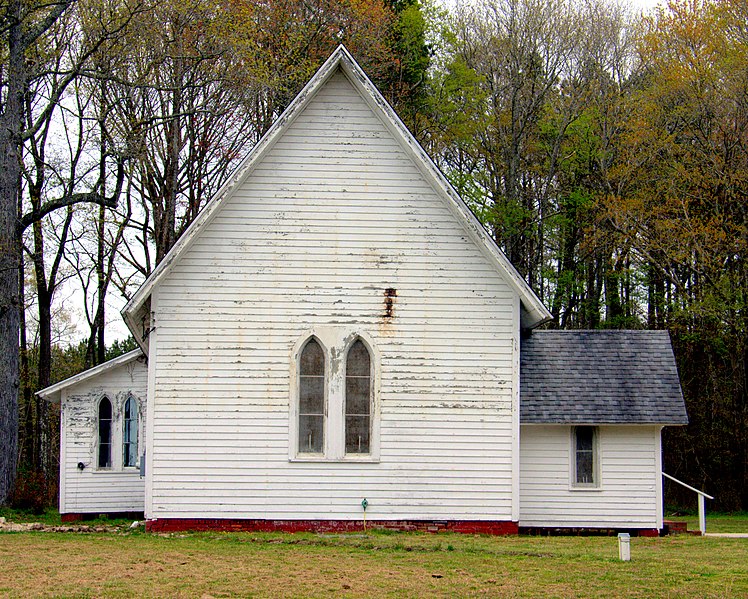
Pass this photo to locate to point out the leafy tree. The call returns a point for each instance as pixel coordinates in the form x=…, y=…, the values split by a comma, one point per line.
x=685, y=167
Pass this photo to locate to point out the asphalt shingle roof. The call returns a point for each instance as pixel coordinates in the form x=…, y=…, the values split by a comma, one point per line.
x=599, y=377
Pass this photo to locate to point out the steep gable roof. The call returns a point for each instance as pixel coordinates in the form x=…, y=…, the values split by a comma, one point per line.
x=137, y=312
x=54, y=392
x=599, y=377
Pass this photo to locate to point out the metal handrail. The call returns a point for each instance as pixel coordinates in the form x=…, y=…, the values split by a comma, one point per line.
x=702, y=503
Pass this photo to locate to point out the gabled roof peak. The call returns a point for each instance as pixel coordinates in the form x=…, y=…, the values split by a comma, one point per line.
x=533, y=312
x=53, y=392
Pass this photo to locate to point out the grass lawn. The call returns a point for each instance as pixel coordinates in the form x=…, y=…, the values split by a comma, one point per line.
x=137, y=564
x=716, y=522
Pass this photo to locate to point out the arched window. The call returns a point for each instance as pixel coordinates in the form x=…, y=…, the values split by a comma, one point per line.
x=311, y=398
x=358, y=394
x=105, y=433
x=130, y=434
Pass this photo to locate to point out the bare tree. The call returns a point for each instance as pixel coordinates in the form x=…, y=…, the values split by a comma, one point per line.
x=25, y=29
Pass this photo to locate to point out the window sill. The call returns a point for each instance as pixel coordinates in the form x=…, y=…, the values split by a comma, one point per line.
x=114, y=470
x=577, y=488
x=320, y=459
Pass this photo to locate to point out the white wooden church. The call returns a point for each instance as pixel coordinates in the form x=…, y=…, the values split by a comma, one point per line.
x=336, y=326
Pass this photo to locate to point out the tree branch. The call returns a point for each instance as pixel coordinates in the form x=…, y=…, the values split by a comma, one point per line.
x=35, y=32
x=92, y=197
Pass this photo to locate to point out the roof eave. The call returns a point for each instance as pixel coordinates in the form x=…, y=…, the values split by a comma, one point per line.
x=53, y=393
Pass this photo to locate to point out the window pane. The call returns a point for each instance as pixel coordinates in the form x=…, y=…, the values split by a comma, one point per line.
x=310, y=434
x=357, y=395
x=311, y=398
x=357, y=434
x=105, y=433
x=357, y=362
x=585, y=454
x=130, y=434
x=584, y=438
x=584, y=467
x=357, y=399
x=311, y=394
x=130, y=454
x=312, y=359
x=105, y=409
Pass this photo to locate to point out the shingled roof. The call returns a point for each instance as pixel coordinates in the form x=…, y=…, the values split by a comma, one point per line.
x=599, y=377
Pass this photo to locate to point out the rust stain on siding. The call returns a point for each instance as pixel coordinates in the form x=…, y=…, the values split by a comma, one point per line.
x=390, y=294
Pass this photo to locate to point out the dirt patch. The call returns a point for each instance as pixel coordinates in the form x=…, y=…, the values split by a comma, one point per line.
x=6, y=526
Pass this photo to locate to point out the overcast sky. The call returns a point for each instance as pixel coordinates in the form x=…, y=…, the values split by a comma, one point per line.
x=646, y=4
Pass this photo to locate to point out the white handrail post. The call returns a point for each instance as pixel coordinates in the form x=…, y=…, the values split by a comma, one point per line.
x=702, y=501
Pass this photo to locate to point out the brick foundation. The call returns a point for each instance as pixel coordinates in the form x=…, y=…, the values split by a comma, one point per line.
x=239, y=525
x=71, y=517
x=79, y=517
x=649, y=532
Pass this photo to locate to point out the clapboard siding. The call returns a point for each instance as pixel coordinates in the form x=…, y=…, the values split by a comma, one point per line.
x=334, y=214
x=92, y=490
x=627, y=497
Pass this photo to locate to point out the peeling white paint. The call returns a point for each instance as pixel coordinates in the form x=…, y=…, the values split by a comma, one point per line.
x=93, y=490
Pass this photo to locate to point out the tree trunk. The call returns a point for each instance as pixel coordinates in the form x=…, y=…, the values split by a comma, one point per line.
x=26, y=408
x=101, y=284
x=44, y=305
x=11, y=123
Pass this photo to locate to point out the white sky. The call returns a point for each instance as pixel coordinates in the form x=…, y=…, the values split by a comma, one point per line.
x=645, y=5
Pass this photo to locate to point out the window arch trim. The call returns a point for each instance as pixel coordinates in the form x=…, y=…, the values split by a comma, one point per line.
x=311, y=419
x=104, y=434
x=353, y=447
x=130, y=428
x=335, y=342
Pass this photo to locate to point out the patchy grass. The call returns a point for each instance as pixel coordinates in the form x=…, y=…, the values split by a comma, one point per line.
x=49, y=516
x=356, y=565
x=715, y=522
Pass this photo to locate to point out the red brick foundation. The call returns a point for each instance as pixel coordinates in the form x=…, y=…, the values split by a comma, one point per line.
x=238, y=525
x=649, y=532
x=79, y=517
x=71, y=517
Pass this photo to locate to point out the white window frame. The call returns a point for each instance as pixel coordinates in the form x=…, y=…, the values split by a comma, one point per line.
x=97, y=435
x=596, y=483
x=116, y=433
x=372, y=386
x=335, y=343
x=136, y=403
x=325, y=392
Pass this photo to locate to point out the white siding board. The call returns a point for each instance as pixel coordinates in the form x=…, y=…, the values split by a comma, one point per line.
x=335, y=214
x=92, y=490
x=627, y=497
